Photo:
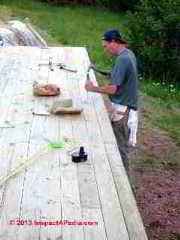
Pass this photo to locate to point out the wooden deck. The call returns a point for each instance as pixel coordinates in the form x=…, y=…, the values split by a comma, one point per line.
x=53, y=188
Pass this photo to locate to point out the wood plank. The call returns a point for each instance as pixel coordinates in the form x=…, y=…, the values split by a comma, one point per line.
x=126, y=198
x=112, y=213
x=54, y=203
x=11, y=115
x=94, y=231
x=44, y=177
x=89, y=198
x=71, y=208
x=6, y=75
x=14, y=187
x=12, y=198
x=85, y=171
x=44, y=181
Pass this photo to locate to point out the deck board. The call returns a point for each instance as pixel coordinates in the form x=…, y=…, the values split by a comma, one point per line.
x=53, y=188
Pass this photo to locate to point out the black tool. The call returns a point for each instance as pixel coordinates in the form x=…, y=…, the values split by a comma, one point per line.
x=62, y=66
x=50, y=65
x=105, y=73
x=80, y=156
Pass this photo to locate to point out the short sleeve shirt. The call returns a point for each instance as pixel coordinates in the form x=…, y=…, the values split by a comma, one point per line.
x=124, y=75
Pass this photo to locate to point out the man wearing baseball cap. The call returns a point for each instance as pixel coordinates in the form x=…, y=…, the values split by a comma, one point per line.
x=122, y=91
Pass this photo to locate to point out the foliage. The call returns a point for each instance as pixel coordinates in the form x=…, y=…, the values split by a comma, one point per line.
x=161, y=100
x=154, y=34
x=167, y=93
x=112, y=4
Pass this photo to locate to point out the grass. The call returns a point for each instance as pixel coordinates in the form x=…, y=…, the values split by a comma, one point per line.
x=170, y=123
x=168, y=93
x=164, y=106
x=75, y=26
x=84, y=26
x=164, y=116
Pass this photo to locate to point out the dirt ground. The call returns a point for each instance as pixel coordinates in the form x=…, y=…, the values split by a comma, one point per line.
x=155, y=179
x=157, y=193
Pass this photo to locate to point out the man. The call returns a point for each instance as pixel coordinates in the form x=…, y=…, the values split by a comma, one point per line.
x=122, y=89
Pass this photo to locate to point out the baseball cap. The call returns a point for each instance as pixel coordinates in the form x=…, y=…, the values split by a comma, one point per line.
x=113, y=34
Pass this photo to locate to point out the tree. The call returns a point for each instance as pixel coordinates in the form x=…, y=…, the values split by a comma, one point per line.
x=154, y=34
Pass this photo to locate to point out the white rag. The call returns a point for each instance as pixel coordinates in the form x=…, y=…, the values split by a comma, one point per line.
x=132, y=120
x=133, y=126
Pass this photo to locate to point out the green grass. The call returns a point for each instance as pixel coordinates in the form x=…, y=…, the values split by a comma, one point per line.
x=70, y=25
x=164, y=114
x=167, y=93
x=164, y=106
x=170, y=122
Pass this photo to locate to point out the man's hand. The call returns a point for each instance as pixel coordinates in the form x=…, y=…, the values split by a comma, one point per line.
x=106, y=89
x=92, y=66
x=89, y=86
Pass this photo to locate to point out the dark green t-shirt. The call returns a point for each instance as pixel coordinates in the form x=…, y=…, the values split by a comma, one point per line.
x=124, y=75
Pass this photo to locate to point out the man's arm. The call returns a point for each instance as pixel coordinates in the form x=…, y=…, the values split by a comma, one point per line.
x=106, y=89
x=105, y=73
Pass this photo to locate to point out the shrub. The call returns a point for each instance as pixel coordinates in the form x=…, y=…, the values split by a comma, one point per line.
x=154, y=34
x=118, y=4
x=112, y=4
